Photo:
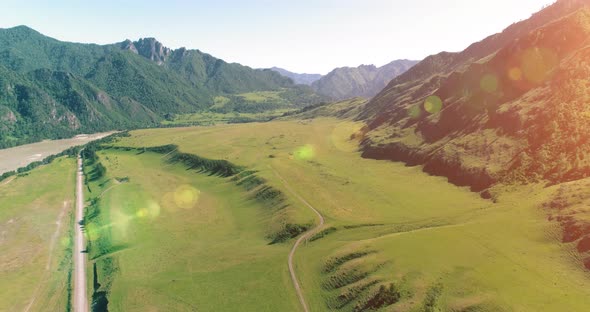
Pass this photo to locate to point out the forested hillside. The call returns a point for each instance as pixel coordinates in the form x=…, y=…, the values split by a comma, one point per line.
x=52, y=89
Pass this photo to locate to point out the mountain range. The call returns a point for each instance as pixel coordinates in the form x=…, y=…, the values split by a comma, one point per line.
x=304, y=79
x=362, y=81
x=349, y=82
x=53, y=89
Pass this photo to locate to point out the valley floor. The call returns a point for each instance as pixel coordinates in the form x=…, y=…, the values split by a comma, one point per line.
x=175, y=232
x=440, y=245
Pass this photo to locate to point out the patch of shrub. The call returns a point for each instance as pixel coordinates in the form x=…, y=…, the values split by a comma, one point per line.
x=344, y=277
x=269, y=193
x=242, y=175
x=323, y=233
x=333, y=263
x=289, y=231
x=351, y=294
x=251, y=182
x=432, y=296
x=100, y=301
x=386, y=296
x=122, y=180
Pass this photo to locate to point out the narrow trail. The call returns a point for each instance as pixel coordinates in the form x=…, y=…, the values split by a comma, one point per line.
x=7, y=181
x=55, y=235
x=80, y=298
x=301, y=239
x=52, y=243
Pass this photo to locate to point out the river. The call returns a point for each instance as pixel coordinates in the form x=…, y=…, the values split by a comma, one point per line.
x=20, y=156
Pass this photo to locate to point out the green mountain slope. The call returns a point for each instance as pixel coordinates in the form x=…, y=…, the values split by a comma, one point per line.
x=52, y=89
x=363, y=81
x=509, y=108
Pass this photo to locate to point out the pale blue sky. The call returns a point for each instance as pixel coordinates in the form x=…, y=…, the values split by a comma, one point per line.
x=300, y=35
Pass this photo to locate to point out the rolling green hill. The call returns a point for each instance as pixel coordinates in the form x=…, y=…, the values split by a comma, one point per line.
x=53, y=89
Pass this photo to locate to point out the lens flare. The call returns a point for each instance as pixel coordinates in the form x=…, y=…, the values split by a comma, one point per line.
x=167, y=202
x=66, y=241
x=186, y=196
x=489, y=83
x=305, y=152
x=414, y=112
x=92, y=232
x=515, y=74
x=153, y=209
x=142, y=213
x=433, y=104
x=120, y=222
x=537, y=64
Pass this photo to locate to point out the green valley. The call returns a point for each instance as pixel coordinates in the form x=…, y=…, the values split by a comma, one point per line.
x=51, y=89
x=380, y=227
x=459, y=183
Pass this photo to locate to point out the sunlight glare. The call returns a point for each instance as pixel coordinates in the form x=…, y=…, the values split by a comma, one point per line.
x=515, y=74
x=186, y=196
x=537, y=64
x=305, y=152
x=414, y=112
x=433, y=104
x=489, y=83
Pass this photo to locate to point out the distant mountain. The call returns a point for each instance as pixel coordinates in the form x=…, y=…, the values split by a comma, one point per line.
x=53, y=89
x=363, y=81
x=304, y=79
x=511, y=108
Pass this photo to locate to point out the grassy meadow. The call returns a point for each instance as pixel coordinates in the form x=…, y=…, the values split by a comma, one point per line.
x=164, y=238
x=36, y=227
x=441, y=246
x=208, y=118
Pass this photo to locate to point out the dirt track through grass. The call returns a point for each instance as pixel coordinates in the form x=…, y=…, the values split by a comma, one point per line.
x=303, y=237
x=52, y=243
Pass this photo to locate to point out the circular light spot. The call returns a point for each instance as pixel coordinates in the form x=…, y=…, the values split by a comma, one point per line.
x=142, y=213
x=167, y=201
x=305, y=152
x=66, y=241
x=489, y=83
x=515, y=74
x=92, y=232
x=186, y=196
x=433, y=104
x=153, y=209
x=537, y=64
x=414, y=112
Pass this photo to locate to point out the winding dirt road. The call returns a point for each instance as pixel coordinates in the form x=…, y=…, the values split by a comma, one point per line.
x=303, y=237
x=80, y=298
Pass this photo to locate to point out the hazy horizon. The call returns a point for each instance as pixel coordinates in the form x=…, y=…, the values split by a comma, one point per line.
x=305, y=37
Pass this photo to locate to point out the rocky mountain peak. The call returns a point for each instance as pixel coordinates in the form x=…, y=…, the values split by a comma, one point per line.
x=149, y=48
